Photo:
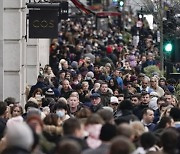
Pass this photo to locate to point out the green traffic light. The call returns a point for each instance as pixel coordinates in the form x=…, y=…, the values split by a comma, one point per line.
x=168, y=47
x=121, y=3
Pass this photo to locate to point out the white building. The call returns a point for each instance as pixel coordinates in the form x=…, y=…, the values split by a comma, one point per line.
x=19, y=60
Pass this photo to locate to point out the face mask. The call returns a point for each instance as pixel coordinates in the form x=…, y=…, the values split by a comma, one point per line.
x=60, y=113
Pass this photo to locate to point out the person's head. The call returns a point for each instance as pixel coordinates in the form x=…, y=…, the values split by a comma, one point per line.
x=165, y=122
x=73, y=101
x=10, y=100
x=29, y=105
x=121, y=145
x=38, y=92
x=147, y=140
x=175, y=101
x=116, y=73
x=83, y=113
x=114, y=103
x=95, y=99
x=19, y=135
x=16, y=110
x=162, y=81
x=85, y=86
x=167, y=110
x=104, y=87
x=72, y=127
x=120, y=97
x=65, y=84
x=3, y=109
x=51, y=119
x=145, y=98
x=154, y=82
x=169, y=97
x=160, y=101
x=108, y=132
x=125, y=130
x=60, y=109
x=68, y=146
x=125, y=105
x=148, y=115
x=106, y=115
x=135, y=99
x=138, y=128
x=169, y=139
x=175, y=113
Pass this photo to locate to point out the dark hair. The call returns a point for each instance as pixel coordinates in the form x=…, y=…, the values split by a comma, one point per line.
x=3, y=107
x=30, y=104
x=68, y=146
x=175, y=113
x=169, y=139
x=147, y=140
x=136, y=95
x=10, y=100
x=71, y=125
x=162, y=123
x=125, y=105
x=145, y=110
x=60, y=105
x=51, y=119
x=37, y=90
x=162, y=98
x=108, y=132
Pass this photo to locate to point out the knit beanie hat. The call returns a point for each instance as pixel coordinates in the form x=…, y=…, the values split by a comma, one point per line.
x=19, y=135
x=49, y=92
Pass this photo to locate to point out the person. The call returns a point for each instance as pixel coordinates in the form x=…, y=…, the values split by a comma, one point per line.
x=19, y=139
x=68, y=146
x=105, y=94
x=16, y=110
x=148, y=117
x=121, y=145
x=154, y=85
x=145, y=85
x=125, y=113
x=61, y=110
x=3, y=118
x=72, y=129
x=40, y=84
x=66, y=89
x=114, y=103
x=107, y=133
x=169, y=139
x=74, y=105
x=145, y=98
x=95, y=102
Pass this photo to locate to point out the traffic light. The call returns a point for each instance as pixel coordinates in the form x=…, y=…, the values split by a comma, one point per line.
x=121, y=3
x=168, y=47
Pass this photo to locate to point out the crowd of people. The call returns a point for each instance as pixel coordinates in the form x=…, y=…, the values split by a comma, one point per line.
x=94, y=97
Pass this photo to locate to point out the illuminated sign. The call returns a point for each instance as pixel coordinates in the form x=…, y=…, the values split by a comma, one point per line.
x=43, y=23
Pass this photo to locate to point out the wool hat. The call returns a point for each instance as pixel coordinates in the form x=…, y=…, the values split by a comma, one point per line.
x=74, y=64
x=90, y=74
x=19, y=135
x=49, y=92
